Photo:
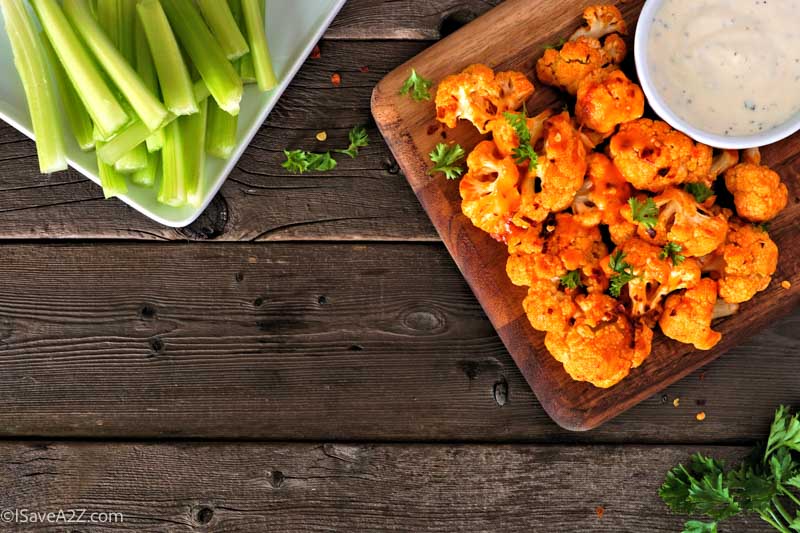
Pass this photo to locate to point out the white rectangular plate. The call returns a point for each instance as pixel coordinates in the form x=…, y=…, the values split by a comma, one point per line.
x=293, y=28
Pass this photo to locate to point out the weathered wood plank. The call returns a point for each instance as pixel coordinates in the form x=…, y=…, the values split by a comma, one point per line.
x=338, y=487
x=308, y=341
x=364, y=198
x=405, y=19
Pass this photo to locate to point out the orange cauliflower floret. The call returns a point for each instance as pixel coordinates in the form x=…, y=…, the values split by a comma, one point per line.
x=604, y=193
x=681, y=220
x=549, y=308
x=489, y=191
x=553, y=183
x=758, y=193
x=744, y=264
x=477, y=95
x=565, y=68
x=652, y=156
x=599, y=21
x=599, y=347
x=650, y=278
x=606, y=99
x=505, y=137
x=687, y=317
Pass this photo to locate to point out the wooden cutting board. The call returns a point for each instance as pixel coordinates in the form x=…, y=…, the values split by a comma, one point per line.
x=513, y=36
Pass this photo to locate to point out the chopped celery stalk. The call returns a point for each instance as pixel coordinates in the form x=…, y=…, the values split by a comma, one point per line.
x=221, y=134
x=30, y=58
x=243, y=65
x=194, y=159
x=223, y=25
x=247, y=70
x=98, y=99
x=147, y=176
x=77, y=117
x=259, y=48
x=137, y=132
x=206, y=54
x=133, y=161
x=113, y=182
x=172, y=190
x=149, y=109
x=147, y=70
x=176, y=85
x=107, y=15
x=127, y=31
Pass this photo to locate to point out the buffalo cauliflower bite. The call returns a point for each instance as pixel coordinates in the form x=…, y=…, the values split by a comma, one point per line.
x=599, y=21
x=553, y=183
x=599, y=347
x=653, y=278
x=687, y=317
x=477, y=95
x=565, y=68
x=505, y=136
x=681, y=220
x=606, y=99
x=548, y=306
x=489, y=191
x=758, y=193
x=652, y=156
x=744, y=265
x=602, y=197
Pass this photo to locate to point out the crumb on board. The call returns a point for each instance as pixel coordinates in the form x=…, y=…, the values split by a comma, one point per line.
x=316, y=53
x=599, y=510
x=364, y=69
x=322, y=136
x=252, y=260
x=700, y=416
x=786, y=284
x=676, y=402
x=336, y=79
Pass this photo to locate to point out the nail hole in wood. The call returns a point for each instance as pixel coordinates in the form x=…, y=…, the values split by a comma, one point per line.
x=500, y=392
x=204, y=515
x=258, y=302
x=322, y=300
x=239, y=277
x=147, y=312
x=156, y=346
x=275, y=478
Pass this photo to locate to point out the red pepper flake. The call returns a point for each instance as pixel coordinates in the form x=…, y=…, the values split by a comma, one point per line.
x=364, y=69
x=315, y=53
x=433, y=128
x=336, y=79
x=600, y=511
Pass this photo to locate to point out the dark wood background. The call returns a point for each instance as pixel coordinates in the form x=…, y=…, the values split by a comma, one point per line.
x=306, y=356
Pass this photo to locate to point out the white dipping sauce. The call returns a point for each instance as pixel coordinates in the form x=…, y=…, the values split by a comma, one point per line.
x=728, y=67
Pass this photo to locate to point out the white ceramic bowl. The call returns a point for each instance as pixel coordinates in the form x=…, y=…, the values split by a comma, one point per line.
x=293, y=28
x=662, y=109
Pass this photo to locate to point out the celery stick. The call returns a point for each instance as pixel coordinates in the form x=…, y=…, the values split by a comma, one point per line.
x=145, y=104
x=176, y=85
x=133, y=161
x=147, y=176
x=113, y=182
x=104, y=108
x=31, y=62
x=172, y=190
x=77, y=117
x=205, y=53
x=243, y=65
x=194, y=136
x=223, y=25
x=259, y=48
x=137, y=132
x=147, y=70
x=221, y=134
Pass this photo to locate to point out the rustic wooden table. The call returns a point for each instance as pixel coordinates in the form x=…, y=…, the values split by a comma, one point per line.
x=306, y=356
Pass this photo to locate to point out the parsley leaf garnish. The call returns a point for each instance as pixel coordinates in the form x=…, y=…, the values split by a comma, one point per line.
x=624, y=273
x=445, y=159
x=358, y=139
x=300, y=161
x=673, y=251
x=572, y=279
x=700, y=191
x=645, y=213
x=524, y=152
x=764, y=226
x=417, y=87
x=555, y=46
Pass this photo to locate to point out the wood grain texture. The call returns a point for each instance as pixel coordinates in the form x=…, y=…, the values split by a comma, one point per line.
x=365, y=198
x=341, y=487
x=503, y=39
x=308, y=341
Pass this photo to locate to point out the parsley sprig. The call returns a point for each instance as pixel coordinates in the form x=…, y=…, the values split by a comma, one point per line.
x=623, y=273
x=765, y=483
x=673, y=251
x=445, y=159
x=524, y=152
x=555, y=46
x=645, y=213
x=700, y=191
x=572, y=279
x=302, y=161
x=358, y=139
x=417, y=87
